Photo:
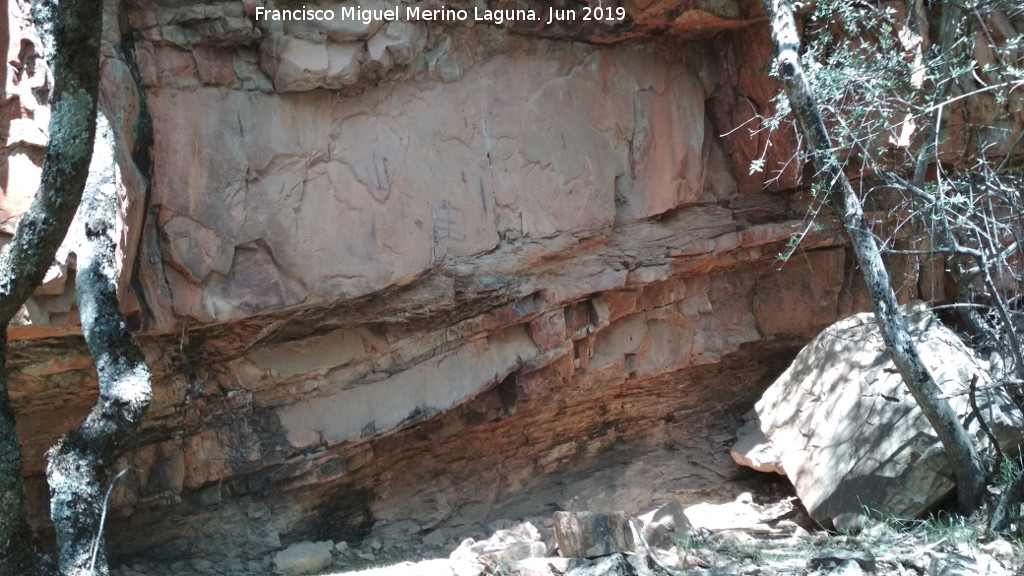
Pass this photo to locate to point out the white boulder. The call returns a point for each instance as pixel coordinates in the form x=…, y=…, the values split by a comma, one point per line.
x=850, y=436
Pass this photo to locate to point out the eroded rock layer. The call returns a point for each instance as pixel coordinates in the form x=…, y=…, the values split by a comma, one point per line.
x=390, y=275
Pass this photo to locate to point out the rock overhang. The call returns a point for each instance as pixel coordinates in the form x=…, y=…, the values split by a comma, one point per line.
x=535, y=235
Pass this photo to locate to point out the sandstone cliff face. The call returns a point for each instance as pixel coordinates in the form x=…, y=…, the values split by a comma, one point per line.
x=390, y=275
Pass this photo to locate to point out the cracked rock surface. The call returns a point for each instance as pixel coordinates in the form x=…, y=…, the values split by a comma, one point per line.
x=395, y=278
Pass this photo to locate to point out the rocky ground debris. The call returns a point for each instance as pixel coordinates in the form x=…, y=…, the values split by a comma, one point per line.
x=749, y=536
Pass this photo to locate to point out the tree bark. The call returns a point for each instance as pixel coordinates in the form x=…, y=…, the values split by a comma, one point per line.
x=74, y=26
x=967, y=467
x=80, y=467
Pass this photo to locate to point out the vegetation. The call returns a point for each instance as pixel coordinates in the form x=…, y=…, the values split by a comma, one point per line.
x=923, y=128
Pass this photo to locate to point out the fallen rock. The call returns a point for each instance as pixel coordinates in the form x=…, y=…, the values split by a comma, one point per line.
x=504, y=547
x=435, y=567
x=303, y=558
x=737, y=542
x=999, y=548
x=614, y=565
x=952, y=564
x=661, y=528
x=850, y=435
x=753, y=450
x=838, y=558
x=592, y=534
x=742, y=514
x=541, y=566
x=848, y=568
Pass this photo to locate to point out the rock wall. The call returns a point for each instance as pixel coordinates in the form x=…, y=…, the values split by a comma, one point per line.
x=390, y=275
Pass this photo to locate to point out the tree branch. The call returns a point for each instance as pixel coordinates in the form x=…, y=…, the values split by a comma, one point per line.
x=75, y=62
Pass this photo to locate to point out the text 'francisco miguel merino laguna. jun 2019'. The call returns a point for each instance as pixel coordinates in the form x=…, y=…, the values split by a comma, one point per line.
x=442, y=14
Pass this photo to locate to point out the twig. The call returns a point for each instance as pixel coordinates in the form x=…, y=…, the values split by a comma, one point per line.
x=938, y=106
x=103, y=518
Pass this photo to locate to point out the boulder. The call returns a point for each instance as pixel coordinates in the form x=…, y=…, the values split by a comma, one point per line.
x=753, y=450
x=850, y=436
x=503, y=547
x=663, y=527
x=592, y=534
x=741, y=515
x=837, y=557
x=303, y=558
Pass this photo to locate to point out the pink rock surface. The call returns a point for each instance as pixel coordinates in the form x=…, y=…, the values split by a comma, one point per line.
x=395, y=274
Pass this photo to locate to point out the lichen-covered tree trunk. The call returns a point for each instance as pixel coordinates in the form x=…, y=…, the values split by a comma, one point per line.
x=80, y=468
x=80, y=465
x=967, y=467
x=74, y=27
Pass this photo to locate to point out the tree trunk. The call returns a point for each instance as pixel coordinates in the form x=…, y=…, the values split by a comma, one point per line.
x=967, y=467
x=72, y=29
x=81, y=464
